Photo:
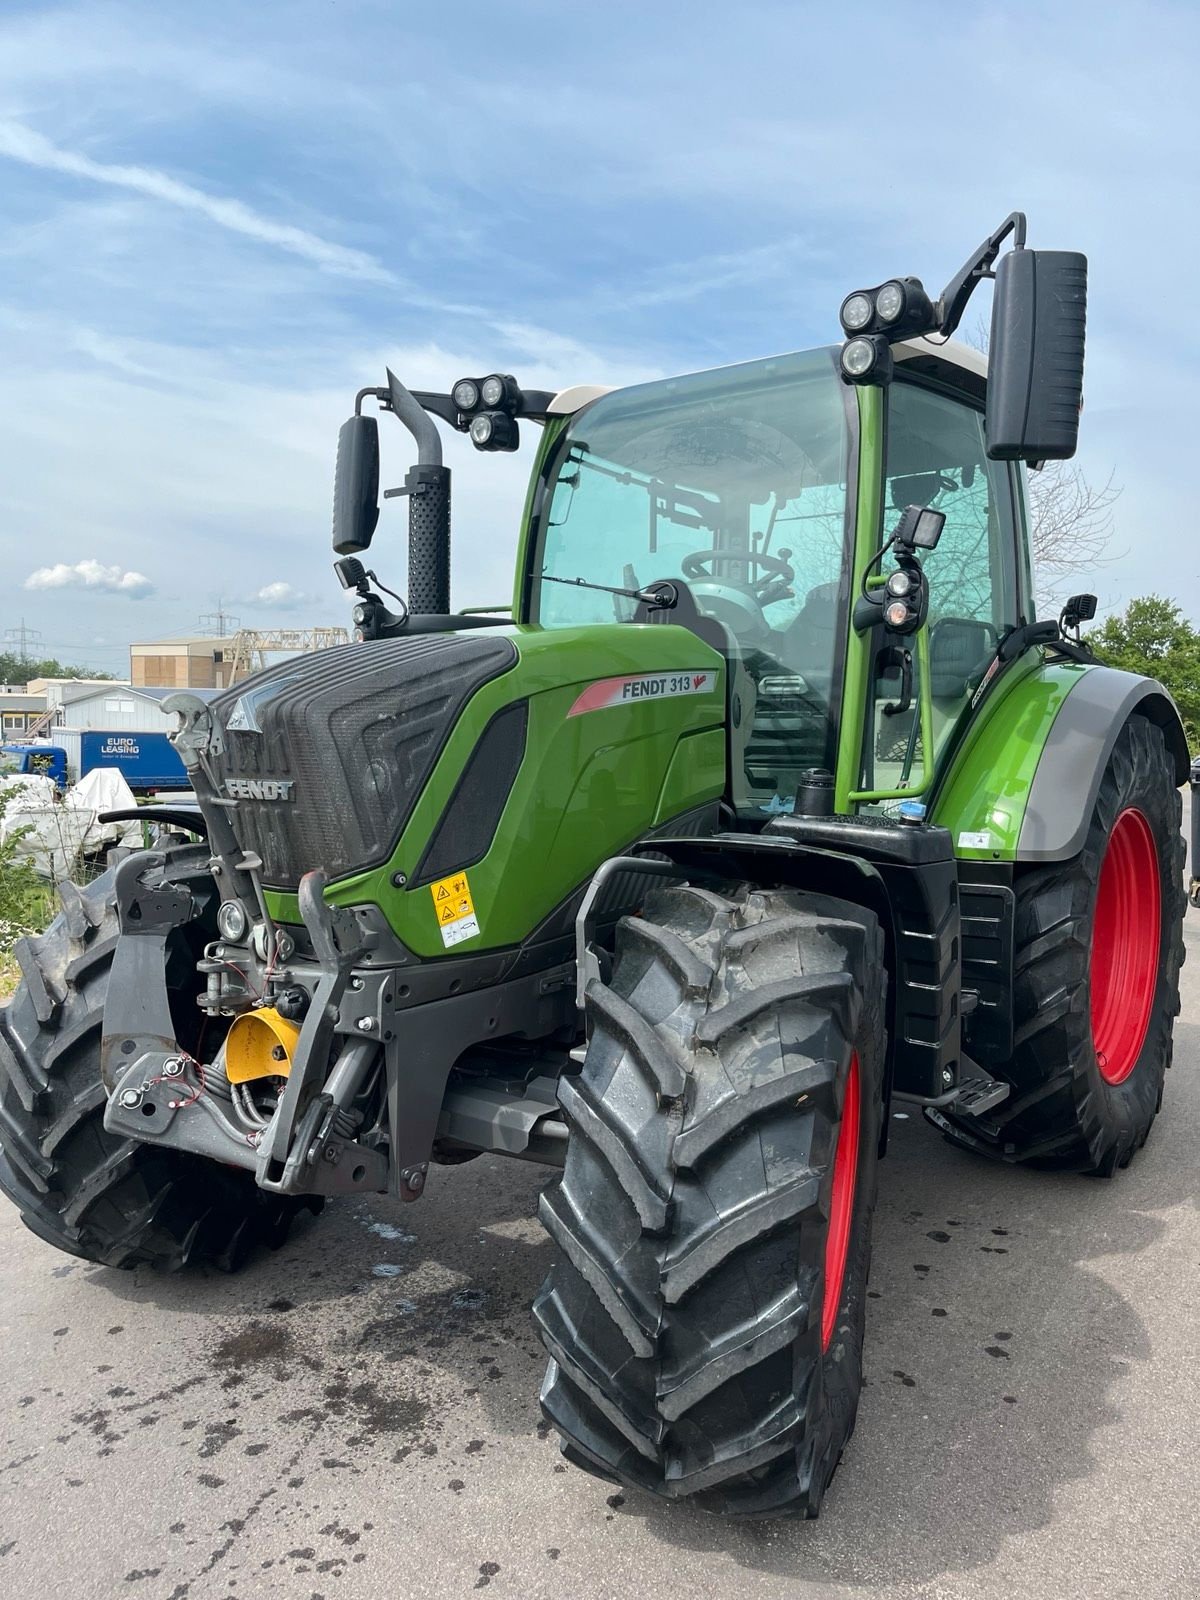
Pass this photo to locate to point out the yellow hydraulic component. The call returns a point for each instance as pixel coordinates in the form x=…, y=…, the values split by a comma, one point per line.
x=260, y=1045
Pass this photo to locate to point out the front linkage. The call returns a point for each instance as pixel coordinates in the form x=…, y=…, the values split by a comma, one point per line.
x=162, y=1094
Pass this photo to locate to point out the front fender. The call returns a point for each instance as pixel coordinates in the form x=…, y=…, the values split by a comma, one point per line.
x=1023, y=783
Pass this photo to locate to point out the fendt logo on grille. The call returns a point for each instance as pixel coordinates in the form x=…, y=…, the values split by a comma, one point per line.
x=259, y=788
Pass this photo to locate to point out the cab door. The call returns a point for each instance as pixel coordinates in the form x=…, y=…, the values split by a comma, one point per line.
x=935, y=456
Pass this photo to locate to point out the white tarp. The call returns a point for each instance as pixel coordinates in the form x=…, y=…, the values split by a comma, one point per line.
x=58, y=832
x=105, y=789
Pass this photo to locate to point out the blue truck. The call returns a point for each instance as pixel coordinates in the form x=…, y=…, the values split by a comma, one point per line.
x=147, y=761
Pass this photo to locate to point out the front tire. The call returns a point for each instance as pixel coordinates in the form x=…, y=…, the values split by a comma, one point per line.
x=705, y=1321
x=79, y=1187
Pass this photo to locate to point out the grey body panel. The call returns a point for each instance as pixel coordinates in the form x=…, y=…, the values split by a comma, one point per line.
x=1067, y=781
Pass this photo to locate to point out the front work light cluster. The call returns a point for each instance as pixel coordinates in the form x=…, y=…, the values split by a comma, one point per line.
x=874, y=319
x=487, y=410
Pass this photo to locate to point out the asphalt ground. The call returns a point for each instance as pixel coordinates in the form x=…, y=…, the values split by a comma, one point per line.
x=356, y=1415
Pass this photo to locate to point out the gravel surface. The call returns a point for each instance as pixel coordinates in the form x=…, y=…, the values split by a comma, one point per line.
x=356, y=1415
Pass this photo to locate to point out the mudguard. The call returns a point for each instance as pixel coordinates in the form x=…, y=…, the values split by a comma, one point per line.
x=1023, y=781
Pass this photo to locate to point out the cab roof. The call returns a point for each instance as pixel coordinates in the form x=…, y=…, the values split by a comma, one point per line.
x=949, y=360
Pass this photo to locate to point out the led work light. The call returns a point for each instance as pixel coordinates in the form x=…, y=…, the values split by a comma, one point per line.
x=867, y=359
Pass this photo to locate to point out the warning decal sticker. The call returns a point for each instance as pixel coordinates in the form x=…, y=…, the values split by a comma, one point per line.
x=454, y=909
x=641, y=686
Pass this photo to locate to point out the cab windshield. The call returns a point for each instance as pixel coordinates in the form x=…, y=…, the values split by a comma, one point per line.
x=733, y=484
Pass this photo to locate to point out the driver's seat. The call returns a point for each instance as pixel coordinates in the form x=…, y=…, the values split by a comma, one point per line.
x=687, y=614
x=809, y=644
x=741, y=691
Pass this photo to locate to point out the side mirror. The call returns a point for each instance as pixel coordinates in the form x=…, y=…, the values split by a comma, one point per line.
x=1035, y=358
x=356, y=485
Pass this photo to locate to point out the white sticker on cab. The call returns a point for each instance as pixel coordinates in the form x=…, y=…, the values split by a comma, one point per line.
x=975, y=841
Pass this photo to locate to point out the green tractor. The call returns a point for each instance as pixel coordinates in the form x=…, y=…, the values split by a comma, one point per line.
x=767, y=805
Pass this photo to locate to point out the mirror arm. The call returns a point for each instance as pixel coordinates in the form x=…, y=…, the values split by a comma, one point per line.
x=953, y=301
x=376, y=394
x=532, y=403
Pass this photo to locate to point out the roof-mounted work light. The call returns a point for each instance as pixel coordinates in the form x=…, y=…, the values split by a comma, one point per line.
x=488, y=409
x=465, y=394
x=899, y=308
x=494, y=430
x=867, y=359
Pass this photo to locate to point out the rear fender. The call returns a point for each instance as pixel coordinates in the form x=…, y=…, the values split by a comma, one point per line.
x=1076, y=753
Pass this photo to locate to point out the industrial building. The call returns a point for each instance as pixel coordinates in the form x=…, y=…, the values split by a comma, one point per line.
x=186, y=661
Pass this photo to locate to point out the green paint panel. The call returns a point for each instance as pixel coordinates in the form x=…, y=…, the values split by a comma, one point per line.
x=697, y=767
x=987, y=788
x=591, y=780
x=868, y=520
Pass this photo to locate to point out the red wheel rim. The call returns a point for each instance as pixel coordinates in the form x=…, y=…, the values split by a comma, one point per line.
x=1125, y=939
x=841, y=1205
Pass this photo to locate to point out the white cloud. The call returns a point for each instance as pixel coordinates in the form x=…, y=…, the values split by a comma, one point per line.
x=91, y=574
x=281, y=596
x=23, y=144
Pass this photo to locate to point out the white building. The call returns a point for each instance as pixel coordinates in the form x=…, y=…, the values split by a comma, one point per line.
x=120, y=707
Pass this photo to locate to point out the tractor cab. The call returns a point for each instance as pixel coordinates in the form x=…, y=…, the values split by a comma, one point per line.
x=739, y=489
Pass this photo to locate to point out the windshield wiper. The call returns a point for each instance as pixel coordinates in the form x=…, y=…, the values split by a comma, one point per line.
x=661, y=596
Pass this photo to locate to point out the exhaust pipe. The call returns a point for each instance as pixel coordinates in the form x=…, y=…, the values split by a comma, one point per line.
x=427, y=486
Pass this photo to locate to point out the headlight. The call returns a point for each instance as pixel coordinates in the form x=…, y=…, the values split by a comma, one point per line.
x=867, y=359
x=896, y=614
x=493, y=391
x=858, y=357
x=494, y=430
x=465, y=394
x=899, y=584
x=857, y=312
x=232, y=921
x=889, y=302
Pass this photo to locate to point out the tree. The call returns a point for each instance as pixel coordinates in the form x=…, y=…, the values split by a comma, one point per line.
x=20, y=669
x=1070, y=523
x=1153, y=637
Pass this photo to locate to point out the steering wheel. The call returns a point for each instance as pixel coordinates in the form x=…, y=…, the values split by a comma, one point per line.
x=702, y=564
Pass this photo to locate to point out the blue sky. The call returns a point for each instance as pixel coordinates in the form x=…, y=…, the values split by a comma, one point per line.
x=219, y=221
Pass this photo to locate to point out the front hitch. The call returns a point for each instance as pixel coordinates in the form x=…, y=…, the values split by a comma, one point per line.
x=159, y=1093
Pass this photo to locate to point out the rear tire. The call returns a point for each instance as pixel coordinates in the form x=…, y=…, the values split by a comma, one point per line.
x=80, y=1188
x=1099, y=945
x=705, y=1322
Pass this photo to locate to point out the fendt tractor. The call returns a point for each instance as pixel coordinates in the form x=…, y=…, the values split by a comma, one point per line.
x=768, y=804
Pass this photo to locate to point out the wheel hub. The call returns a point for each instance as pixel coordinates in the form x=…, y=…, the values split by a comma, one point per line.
x=1125, y=941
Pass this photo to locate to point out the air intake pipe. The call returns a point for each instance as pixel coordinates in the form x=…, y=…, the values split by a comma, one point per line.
x=427, y=486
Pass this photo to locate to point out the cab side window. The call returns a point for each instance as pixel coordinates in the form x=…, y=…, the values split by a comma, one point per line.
x=936, y=457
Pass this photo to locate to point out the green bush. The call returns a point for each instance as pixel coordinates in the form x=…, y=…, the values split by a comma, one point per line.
x=26, y=900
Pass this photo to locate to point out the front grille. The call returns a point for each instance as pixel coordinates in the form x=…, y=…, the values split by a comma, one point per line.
x=357, y=729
